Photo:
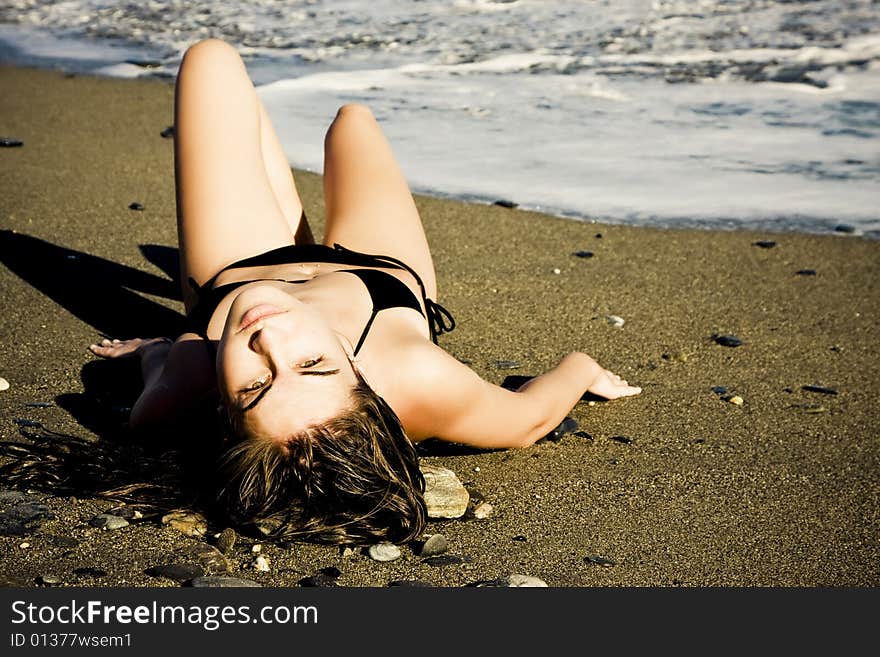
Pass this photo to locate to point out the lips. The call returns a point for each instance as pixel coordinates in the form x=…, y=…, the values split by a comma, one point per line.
x=257, y=313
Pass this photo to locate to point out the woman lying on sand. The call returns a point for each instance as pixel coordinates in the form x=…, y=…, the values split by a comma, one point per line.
x=323, y=358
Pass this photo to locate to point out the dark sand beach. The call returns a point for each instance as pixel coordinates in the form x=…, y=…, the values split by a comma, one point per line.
x=676, y=487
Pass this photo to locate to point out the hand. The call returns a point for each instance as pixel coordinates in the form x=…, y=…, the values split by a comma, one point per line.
x=610, y=386
x=125, y=348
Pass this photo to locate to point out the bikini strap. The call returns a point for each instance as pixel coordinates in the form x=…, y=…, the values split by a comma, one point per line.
x=440, y=320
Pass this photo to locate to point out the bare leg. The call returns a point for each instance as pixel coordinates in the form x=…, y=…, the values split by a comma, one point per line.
x=369, y=206
x=231, y=202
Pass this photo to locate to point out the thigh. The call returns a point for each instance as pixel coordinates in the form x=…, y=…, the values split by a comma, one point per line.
x=369, y=206
x=226, y=208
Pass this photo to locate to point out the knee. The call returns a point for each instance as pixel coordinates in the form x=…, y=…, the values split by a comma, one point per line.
x=355, y=111
x=210, y=52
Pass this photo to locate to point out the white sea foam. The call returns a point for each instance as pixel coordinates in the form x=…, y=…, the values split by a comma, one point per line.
x=669, y=112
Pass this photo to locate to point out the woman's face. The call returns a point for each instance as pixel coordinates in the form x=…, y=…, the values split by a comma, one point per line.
x=280, y=365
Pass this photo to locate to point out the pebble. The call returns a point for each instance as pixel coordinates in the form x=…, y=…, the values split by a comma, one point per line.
x=126, y=512
x=615, y=321
x=483, y=511
x=506, y=364
x=167, y=133
x=675, y=356
x=568, y=425
x=256, y=548
x=108, y=521
x=226, y=540
x=844, y=228
x=38, y=404
x=806, y=272
x=436, y=544
x=4, y=384
x=179, y=572
x=222, y=582
x=506, y=204
x=10, y=142
x=820, y=389
x=719, y=390
x=626, y=440
x=48, y=580
x=599, y=561
x=206, y=556
x=384, y=552
x=135, y=206
x=557, y=270
x=525, y=581
x=727, y=340
x=764, y=244
x=519, y=538
x=187, y=522
x=23, y=517
x=445, y=496
x=736, y=399
x=443, y=560
x=583, y=254
x=24, y=546
x=261, y=564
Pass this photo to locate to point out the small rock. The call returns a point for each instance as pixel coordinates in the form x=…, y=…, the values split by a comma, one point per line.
x=583, y=254
x=126, y=512
x=525, y=581
x=24, y=546
x=736, y=399
x=331, y=571
x=615, y=321
x=568, y=425
x=48, y=580
x=435, y=545
x=206, y=556
x=820, y=389
x=626, y=440
x=844, y=228
x=167, y=133
x=179, y=572
x=506, y=204
x=764, y=244
x=506, y=364
x=135, y=206
x=187, y=522
x=261, y=564
x=226, y=540
x=35, y=404
x=347, y=551
x=727, y=340
x=443, y=560
x=599, y=561
x=483, y=511
x=806, y=272
x=222, y=582
x=256, y=548
x=108, y=521
x=719, y=390
x=4, y=384
x=318, y=580
x=445, y=496
x=583, y=434
x=519, y=538
x=384, y=552
x=557, y=270
x=10, y=142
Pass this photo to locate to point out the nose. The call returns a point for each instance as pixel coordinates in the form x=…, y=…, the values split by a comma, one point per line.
x=266, y=340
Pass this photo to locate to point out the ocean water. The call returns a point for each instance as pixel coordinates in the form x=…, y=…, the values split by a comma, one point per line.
x=714, y=114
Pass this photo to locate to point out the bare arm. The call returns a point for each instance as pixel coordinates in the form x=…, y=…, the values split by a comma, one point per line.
x=176, y=375
x=461, y=407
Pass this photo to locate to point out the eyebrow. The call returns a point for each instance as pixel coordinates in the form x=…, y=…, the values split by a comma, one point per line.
x=263, y=392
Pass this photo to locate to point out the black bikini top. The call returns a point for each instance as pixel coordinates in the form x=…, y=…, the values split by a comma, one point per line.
x=386, y=291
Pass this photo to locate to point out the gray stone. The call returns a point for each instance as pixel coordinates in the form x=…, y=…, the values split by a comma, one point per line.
x=223, y=582
x=445, y=496
x=49, y=580
x=179, y=572
x=483, y=510
x=107, y=521
x=525, y=581
x=384, y=552
x=187, y=522
x=23, y=517
x=226, y=540
x=435, y=545
x=208, y=557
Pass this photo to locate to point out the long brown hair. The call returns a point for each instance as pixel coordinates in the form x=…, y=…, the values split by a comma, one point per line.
x=352, y=479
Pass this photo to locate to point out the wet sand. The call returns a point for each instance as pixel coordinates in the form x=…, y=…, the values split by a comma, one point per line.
x=677, y=486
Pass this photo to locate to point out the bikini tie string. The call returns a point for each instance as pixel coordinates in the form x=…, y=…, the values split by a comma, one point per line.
x=441, y=320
